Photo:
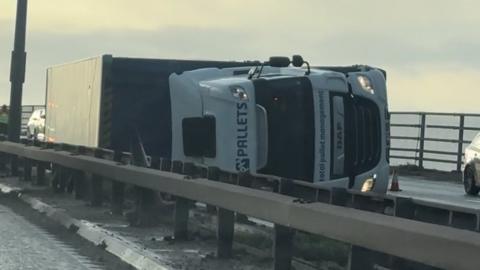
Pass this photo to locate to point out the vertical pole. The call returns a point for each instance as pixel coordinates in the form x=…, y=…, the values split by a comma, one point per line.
x=422, y=140
x=17, y=77
x=460, y=143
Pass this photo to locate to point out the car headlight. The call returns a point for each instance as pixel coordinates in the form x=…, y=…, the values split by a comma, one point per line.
x=369, y=183
x=239, y=93
x=365, y=83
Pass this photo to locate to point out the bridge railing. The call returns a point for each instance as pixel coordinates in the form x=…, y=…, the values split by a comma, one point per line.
x=438, y=138
x=416, y=137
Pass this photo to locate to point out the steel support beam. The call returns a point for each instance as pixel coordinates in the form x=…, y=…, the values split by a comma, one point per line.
x=408, y=239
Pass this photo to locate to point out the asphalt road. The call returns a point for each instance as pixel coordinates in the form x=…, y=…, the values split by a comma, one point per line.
x=25, y=246
x=31, y=240
x=436, y=191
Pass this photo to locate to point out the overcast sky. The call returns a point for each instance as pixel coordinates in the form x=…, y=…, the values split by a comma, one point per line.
x=429, y=48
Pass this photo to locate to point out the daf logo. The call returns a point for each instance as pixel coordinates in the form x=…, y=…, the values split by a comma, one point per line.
x=339, y=136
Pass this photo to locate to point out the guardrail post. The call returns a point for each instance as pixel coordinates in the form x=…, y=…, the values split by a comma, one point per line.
x=57, y=182
x=96, y=187
x=213, y=173
x=180, y=231
x=3, y=162
x=225, y=231
x=27, y=170
x=182, y=205
x=96, y=198
x=118, y=197
x=79, y=185
x=244, y=180
x=460, y=143
x=118, y=190
x=144, y=213
x=225, y=228
x=360, y=258
x=422, y=140
x=41, y=167
x=283, y=236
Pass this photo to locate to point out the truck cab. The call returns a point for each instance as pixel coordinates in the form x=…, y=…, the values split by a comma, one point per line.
x=327, y=126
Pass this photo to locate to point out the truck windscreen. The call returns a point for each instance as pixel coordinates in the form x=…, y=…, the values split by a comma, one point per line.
x=290, y=116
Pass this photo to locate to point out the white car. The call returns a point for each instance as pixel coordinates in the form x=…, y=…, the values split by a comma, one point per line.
x=36, y=125
x=471, y=171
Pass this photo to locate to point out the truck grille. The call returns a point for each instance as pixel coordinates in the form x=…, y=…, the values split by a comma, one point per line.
x=366, y=135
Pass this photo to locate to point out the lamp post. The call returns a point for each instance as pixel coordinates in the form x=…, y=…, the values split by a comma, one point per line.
x=17, y=77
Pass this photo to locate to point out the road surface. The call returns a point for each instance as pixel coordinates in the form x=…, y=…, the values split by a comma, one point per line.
x=436, y=191
x=25, y=246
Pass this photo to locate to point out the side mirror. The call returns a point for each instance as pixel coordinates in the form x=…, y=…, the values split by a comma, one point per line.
x=297, y=60
x=279, y=61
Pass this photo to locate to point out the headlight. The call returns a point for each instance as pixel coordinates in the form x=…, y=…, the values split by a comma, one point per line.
x=239, y=93
x=366, y=84
x=369, y=183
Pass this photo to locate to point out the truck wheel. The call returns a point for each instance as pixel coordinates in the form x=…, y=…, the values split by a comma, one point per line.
x=469, y=181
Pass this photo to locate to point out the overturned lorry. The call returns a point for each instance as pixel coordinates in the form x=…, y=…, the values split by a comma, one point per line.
x=325, y=125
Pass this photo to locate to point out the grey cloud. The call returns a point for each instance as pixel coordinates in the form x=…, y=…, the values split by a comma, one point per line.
x=385, y=50
x=380, y=49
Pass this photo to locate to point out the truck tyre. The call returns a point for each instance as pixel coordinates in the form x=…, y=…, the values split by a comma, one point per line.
x=469, y=181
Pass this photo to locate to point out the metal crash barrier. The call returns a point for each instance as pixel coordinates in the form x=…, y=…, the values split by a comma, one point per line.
x=435, y=235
